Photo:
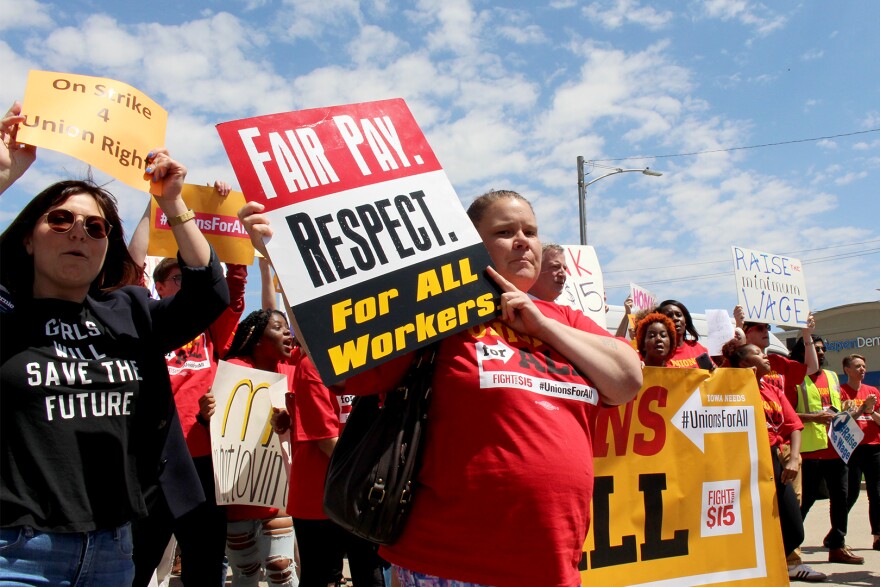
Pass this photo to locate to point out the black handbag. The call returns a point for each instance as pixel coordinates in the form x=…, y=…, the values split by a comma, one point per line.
x=371, y=477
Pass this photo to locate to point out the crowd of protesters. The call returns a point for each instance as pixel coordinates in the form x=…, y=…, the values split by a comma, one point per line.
x=106, y=406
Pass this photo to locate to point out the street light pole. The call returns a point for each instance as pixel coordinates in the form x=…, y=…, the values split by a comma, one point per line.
x=582, y=189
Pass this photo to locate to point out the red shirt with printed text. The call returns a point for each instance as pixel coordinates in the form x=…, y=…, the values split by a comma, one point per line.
x=781, y=418
x=866, y=423
x=504, y=493
x=686, y=355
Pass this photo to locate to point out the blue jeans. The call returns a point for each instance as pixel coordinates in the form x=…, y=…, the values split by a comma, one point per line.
x=253, y=548
x=32, y=557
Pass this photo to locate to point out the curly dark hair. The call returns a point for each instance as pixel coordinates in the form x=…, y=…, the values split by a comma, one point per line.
x=249, y=332
x=17, y=266
x=652, y=318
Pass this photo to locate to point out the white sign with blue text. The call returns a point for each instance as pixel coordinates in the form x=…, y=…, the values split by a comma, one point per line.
x=771, y=288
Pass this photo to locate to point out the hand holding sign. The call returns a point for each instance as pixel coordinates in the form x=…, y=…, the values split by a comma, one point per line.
x=15, y=158
x=257, y=225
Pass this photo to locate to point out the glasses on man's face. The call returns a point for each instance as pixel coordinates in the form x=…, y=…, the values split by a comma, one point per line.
x=760, y=327
x=61, y=221
x=176, y=278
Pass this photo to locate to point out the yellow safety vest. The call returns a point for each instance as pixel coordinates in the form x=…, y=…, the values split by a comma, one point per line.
x=814, y=435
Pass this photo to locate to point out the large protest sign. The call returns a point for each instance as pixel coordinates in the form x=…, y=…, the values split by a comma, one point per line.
x=251, y=463
x=642, y=298
x=584, y=289
x=771, y=288
x=217, y=218
x=104, y=122
x=684, y=492
x=371, y=245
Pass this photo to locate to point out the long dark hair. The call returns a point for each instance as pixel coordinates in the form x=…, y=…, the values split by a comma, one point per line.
x=688, y=321
x=249, y=333
x=17, y=266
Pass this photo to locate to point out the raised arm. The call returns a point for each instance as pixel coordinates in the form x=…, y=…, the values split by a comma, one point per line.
x=15, y=158
x=624, y=322
x=169, y=175
x=611, y=364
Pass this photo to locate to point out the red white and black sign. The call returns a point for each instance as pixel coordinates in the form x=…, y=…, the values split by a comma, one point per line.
x=371, y=244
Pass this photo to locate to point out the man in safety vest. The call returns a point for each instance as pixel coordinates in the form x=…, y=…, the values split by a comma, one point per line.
x=818, y=401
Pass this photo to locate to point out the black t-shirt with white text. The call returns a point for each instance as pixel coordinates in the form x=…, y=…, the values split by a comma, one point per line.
x=68, y=392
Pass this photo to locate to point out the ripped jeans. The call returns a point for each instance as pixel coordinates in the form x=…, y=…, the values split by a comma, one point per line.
x=254, y=547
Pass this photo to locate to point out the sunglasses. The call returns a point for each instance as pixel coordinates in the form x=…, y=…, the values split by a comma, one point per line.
x=759, y=327
x=61, y=221
x=176, y=278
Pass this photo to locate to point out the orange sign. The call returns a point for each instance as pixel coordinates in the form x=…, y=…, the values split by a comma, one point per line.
x=217, y=218
x=684, y=492
x=106, y=123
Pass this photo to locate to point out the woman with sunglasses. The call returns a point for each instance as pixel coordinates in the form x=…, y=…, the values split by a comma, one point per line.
x=88, y=428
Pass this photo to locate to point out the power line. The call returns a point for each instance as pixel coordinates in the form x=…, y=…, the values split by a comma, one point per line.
x=713, y=275
x=728, y=260
x=848, y=134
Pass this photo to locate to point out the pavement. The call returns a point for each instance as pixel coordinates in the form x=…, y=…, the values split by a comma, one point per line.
x=813, y=553
x=858, y=538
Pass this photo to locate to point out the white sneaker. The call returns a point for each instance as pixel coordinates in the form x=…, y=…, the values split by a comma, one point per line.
x=803, y=572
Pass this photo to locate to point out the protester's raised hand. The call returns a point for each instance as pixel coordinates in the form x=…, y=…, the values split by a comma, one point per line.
x=810, y=327
x=15, y=158
x=167, y=173
x=628, y=306
x=517, y=308
x=739, y=315
x=256, y=224
x=222, y=188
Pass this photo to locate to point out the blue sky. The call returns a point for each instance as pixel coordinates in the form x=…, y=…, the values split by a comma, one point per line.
x=509, y=94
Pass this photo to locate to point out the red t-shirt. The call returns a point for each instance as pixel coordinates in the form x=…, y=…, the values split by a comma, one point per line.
x=192, y=367
x=789, y=374
x=821, y=381
x=235, y=513
x=507, y=478
x=868, y=426
x=781, y=418
x=320, y=414
x=686, y=355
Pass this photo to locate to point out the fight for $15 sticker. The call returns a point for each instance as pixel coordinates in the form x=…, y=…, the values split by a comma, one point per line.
x=721, y=509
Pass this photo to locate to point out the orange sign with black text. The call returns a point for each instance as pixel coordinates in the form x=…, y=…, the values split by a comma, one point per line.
x=684, y=492
x=106, y=123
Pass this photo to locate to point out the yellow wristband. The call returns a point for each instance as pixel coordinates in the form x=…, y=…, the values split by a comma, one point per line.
x=181, y=218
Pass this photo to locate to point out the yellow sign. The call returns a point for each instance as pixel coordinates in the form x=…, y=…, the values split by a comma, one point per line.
x=106, y=123
x=217, y=218
x=684, y=492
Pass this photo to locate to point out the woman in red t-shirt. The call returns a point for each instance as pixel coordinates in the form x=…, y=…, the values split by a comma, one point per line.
x=507, y=476
x=688, y=349
x=656, y=339
x=783, y=425
x=262, y=538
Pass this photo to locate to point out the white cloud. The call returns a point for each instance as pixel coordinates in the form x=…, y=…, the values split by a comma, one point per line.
x=812, y=55
x=24, y=14
x=312, y=18
x=826, y=144
x=617, y=13
x=872, y=119
x=851, y=177
x=523, y=35
x=753, y=15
